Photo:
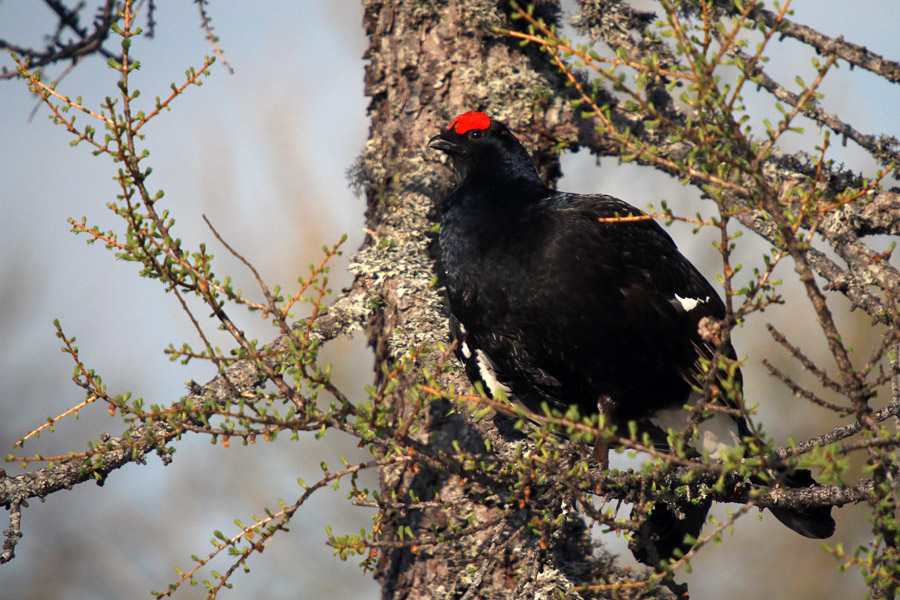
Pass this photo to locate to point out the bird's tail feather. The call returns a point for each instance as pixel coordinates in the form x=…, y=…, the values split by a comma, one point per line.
x=812, y=522
x=665, y=531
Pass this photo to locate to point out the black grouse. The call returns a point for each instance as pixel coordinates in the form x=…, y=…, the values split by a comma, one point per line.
x=557, y=302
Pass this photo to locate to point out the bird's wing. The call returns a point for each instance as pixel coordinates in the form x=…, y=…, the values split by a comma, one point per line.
x=664, y=302
x=570, y=308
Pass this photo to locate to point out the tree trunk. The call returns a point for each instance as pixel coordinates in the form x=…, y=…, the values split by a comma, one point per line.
x=428, y=63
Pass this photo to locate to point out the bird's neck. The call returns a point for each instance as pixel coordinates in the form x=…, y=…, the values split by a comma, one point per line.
x=503, y=186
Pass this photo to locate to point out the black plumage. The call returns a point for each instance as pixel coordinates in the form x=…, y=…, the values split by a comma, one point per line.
x=559, y=302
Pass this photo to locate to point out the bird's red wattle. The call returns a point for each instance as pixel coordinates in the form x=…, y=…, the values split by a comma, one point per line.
x=469, y=121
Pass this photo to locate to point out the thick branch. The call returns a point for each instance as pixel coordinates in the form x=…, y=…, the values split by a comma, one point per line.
x=884, y=147
x=838, y=433
x=132, y=446
x=89, y=41
x=854, y=54
x=347, y=313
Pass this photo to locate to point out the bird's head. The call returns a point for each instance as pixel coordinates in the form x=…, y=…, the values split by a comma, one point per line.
x=484, y=147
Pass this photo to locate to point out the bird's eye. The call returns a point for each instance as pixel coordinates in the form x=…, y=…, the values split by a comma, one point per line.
x=475, y=134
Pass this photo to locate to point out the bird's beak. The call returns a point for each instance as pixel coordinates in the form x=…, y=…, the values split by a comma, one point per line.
x=439, y=143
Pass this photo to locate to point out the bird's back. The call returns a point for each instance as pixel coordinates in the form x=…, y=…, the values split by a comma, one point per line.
x=570, y=309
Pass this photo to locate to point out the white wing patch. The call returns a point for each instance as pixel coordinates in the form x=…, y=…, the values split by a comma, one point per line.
x=488, y=375
x=689, y=304
x=717, y=434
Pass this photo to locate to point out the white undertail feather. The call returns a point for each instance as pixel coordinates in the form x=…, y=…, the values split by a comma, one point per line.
x=717, y=434
x=488, y=375
x=463, y=346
